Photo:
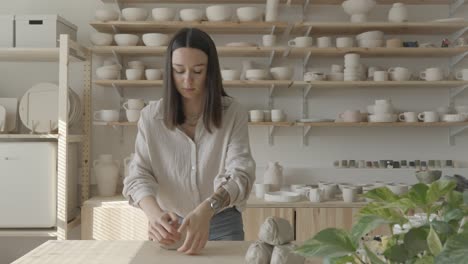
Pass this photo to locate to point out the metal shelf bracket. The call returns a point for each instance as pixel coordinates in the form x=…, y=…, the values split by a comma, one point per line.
x=271, y=90
x=271, y=131
x=456, y=59
x=118, y=89
x=307, y=58
x=309, y=29
x=305, y=93
x=272, y=57
x=453, y=7
x=454, y=92
x=305, y=133
x=454, y=132
x=273, y=29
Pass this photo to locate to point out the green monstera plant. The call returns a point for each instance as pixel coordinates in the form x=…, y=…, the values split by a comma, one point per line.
x=442, y=239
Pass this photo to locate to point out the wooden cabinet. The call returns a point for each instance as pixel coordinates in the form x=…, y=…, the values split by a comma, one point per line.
x=254, y=218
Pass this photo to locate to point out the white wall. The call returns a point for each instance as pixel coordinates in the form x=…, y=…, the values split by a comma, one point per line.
x=325, y=144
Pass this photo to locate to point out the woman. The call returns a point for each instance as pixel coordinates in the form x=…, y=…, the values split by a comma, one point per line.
x=192, y=155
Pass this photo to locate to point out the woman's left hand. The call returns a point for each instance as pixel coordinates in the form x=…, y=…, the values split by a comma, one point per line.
x=197, y=227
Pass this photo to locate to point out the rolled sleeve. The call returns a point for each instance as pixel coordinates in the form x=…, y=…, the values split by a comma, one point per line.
x=141, y=181
x=239, y=174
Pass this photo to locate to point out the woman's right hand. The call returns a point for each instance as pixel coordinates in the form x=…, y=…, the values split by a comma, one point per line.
x=162, y=227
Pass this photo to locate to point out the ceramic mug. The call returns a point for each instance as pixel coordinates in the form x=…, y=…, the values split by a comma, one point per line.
x=315, y=195
x=269, y=40
x=324, y=42
x=380, y=76
x=428, y=116
x=134, y=104
x=462, y=75
x=349, y=194
x=399, y=74
x=351, y=116
x=261, y=189
x=277, y=115
x=301, y=42
x=133, y=115
x=409, y=117
x=432, y=74
x=256, y=115
x=106, y=115
x=344, y=42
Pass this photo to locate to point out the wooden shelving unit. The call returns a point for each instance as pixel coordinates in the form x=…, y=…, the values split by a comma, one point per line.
x=159, y=83
x=372, y=84
x=224, y=51
x=68, y=51
x=389, y=124
x=293, y=2
x=172, y=26
x=347, y=28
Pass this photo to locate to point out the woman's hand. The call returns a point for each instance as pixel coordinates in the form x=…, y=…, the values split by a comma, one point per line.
x=197, y=226
x=162, y=227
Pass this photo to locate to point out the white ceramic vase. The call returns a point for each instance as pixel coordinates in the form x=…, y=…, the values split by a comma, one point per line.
x=271, y=10
x=107, y=175
x=398, y=13
x=274, y=176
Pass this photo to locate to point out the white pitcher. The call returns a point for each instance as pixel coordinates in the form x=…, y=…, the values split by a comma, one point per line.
x=398, y=13
x=273, y=175
x=107, y=174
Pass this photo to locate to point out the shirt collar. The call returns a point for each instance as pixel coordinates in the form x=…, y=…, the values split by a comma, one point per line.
x=159, y=111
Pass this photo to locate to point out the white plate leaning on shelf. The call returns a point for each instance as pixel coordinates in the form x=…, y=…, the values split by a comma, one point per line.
x=282, y=197
x=39, y=108
x=2, y=118
x=11, y=106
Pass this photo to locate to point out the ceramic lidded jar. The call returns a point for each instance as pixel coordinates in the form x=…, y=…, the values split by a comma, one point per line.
x=273, y=175
x=107, y=174
x=398, y=13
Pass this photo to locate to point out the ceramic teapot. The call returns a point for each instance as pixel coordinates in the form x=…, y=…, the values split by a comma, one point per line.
x=107, y=174
x=273, y=175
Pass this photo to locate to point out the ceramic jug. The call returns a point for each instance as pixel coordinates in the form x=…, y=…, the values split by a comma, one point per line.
x=274, y=176
x=126, y=163
x=107, y=174
x=398, y=13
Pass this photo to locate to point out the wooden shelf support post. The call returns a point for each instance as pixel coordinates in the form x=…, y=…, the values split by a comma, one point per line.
x=305, y=104
x=454, y=92
x=454, y=132
x=271, y=90
x=271, y=132
x=118, y=89
x=305, y=134
x=453, y=7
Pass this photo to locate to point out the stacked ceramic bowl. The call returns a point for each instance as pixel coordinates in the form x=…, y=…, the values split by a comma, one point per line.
x=370, y=39
x=382, y=111
x=353, y=69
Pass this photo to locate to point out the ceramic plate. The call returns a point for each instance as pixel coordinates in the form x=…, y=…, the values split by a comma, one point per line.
x=241, y=44
x=11, y=106
x=282, y=197
x=448, y=20
x=2, y=118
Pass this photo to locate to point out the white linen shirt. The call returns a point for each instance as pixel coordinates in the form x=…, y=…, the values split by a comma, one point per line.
x=180, y=172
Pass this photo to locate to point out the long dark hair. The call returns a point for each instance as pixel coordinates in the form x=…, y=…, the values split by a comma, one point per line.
x=173, y=106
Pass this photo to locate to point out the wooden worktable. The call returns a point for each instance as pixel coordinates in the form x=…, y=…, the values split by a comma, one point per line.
x=131, y=252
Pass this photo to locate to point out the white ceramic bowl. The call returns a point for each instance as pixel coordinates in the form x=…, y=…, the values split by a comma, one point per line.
x=282, y=73
x=248, y=13
x=126, y=39
x=155, y=39
x=370, y=43
x=191, y=14
x=256, y=74
x=134, y=14
x=134, y=74
x=230, y=75
x=352, y=7
x=374, y=34
x=163, y=13
x=116, y=67
x=106, y=73
x=136, y=64
x=105, y=15
x=219, y=13
x=101, y=39
x=153, y=74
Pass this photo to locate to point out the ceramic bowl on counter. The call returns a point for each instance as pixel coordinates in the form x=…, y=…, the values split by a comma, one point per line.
x=101, y=39
x=126, y=39
x=163, y=13
x=134, y=14
x=219, y=13
x=282, y=197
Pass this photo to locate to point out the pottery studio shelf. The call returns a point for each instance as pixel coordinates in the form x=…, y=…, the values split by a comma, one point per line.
x=173, y=26
x=224, y=51
x=347, y=28
x=372, y=84
x=377, y=52
x=384, y=124
x=32, y=55
x=293, y=2
x=70, y=138
x=227, y=84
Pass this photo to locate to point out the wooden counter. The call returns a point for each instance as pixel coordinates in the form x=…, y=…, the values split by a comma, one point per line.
x=130, y=252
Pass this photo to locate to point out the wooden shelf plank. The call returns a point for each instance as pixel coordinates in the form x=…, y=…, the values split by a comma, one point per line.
x=347, y=28
x=114, y=123
x=29, y=54
x=172, y=26
x=380, y=52
x=28, y=232
x=227, y=84
x=160, y=51
x=390, y=124
x=71, y=138
x=293, y=2
x=372, y=84
x=278, y=124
